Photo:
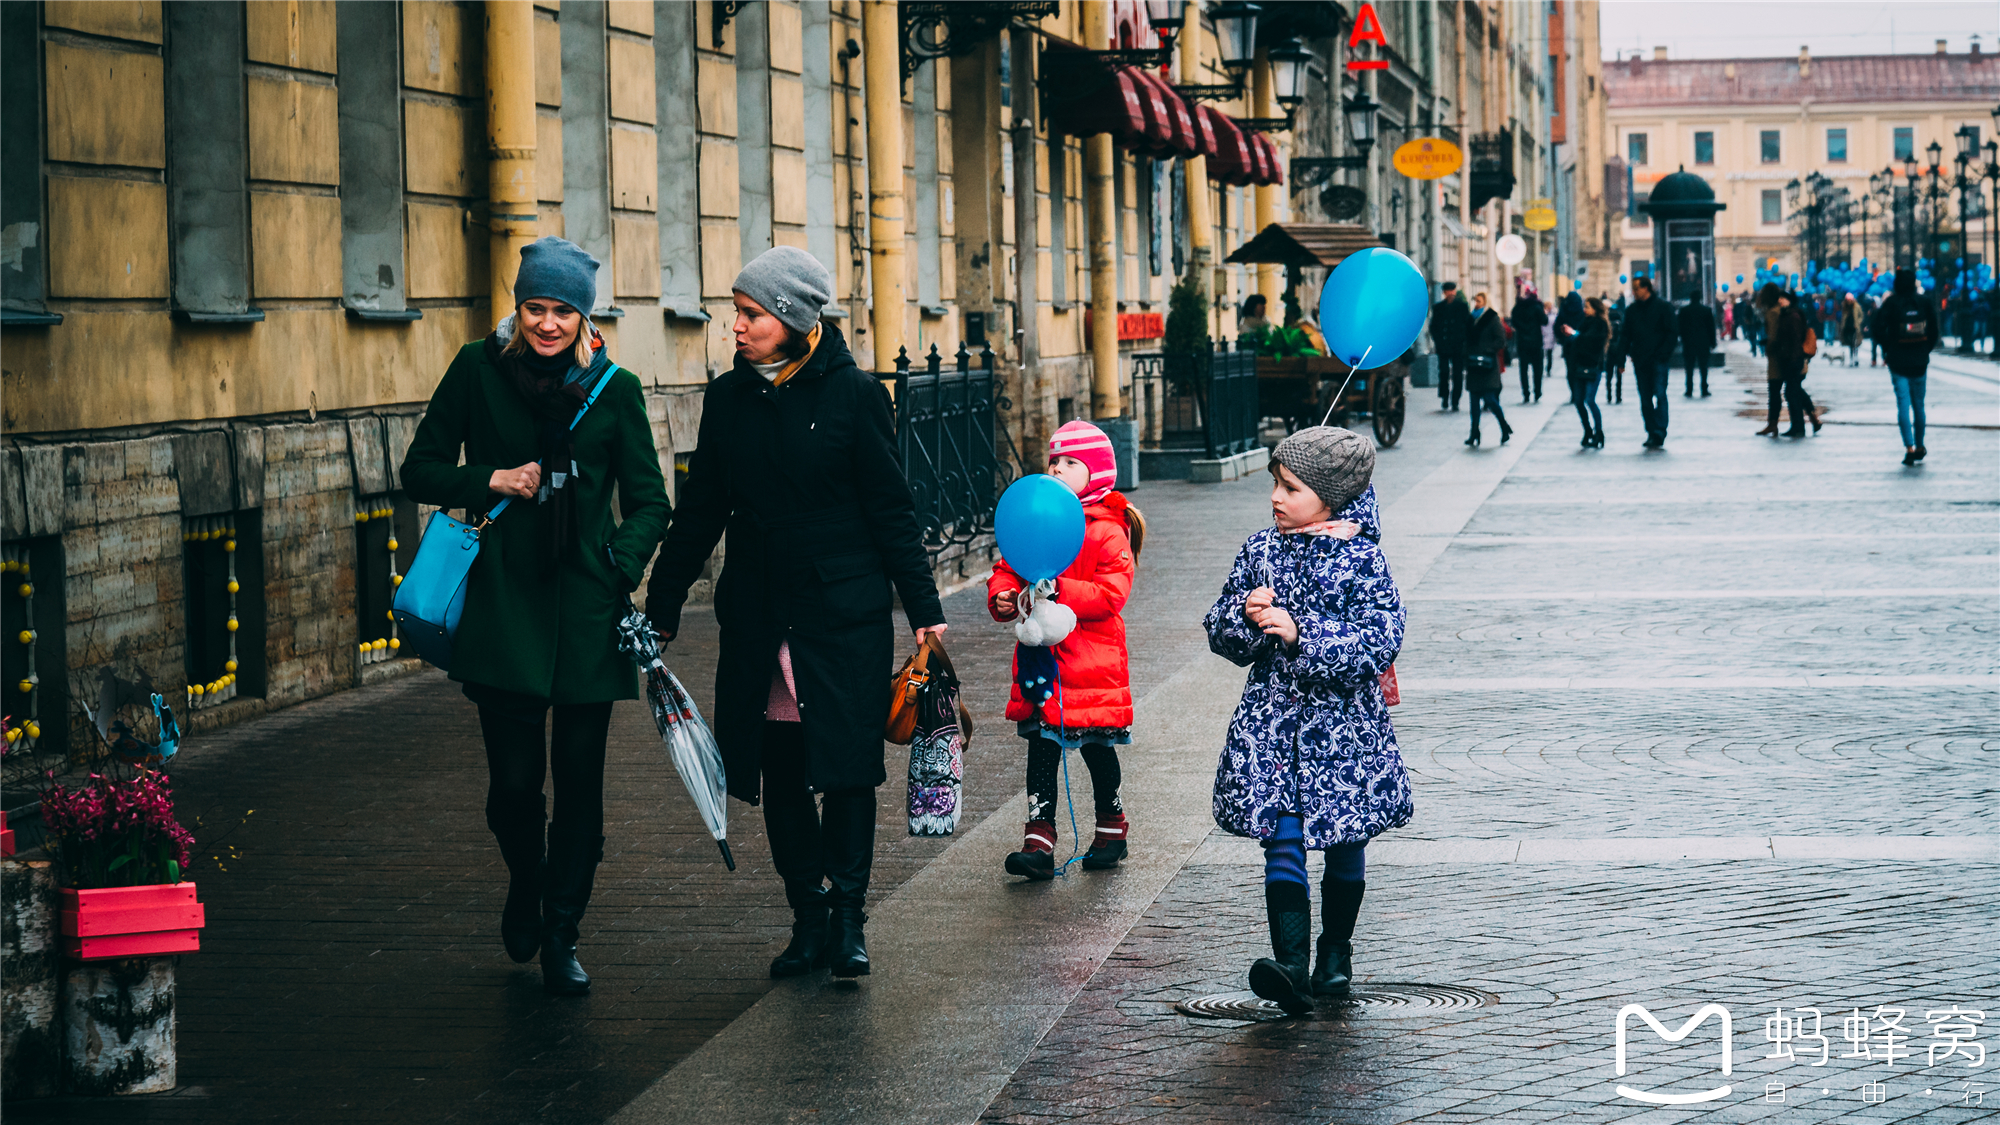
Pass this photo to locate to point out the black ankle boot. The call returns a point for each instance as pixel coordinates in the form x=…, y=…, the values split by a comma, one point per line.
x=1284, y=978
x=848, y=956
x=571, y=871
x=809, y=933
x=1333, y=968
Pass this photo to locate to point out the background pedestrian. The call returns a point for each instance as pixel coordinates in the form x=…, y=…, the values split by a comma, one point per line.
x=1906, y=328
x=1529, y=318
x=1486, y=360
x=794, y=461
x=553, y=577
x=1650, y=332
x=1583, y=358
x=1697, y=331
x=1788, y=343
x=1450, y=326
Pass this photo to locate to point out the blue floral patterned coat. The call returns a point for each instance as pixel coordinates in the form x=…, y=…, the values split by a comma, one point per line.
x=1312, y=734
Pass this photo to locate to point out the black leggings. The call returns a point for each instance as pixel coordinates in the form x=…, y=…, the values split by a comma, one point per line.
x=1044, y=785
x=518, y=758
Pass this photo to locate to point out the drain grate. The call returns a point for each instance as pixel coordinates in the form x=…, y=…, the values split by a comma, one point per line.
x=1379, y=1001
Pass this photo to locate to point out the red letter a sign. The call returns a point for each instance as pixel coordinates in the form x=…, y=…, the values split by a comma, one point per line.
x=1367, y=29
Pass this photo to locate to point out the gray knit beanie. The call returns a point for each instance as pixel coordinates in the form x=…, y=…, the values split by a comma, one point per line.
x=558, y=269
x=789, y=283
x=1336, y=464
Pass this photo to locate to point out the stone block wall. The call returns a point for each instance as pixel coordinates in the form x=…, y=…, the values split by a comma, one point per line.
x=308, y=540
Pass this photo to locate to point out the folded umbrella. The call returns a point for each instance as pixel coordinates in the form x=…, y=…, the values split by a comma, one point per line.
x=689, y=742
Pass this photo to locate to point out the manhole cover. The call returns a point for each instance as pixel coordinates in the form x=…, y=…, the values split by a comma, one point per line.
x=1380, y=1001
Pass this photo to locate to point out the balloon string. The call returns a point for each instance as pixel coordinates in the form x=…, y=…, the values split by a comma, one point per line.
x=1343, y=387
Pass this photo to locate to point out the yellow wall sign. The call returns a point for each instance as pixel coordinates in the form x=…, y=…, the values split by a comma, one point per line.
x=1428, y=158
x=1540, y=215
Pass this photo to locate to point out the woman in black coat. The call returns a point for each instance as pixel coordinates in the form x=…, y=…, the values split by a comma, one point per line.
x=1583, y=360
x=795, y=462
x=1486, y=358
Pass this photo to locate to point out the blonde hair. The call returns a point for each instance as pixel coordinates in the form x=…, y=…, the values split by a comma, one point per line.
x=1481, y=296
x=582, y=354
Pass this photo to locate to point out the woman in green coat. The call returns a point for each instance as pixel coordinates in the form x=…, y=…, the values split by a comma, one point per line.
x=554, y=575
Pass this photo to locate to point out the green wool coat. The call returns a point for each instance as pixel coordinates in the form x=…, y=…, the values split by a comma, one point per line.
x=554, y=639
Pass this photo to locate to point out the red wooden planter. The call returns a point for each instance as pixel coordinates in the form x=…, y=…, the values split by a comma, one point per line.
x=6, y=836
x=111, y=922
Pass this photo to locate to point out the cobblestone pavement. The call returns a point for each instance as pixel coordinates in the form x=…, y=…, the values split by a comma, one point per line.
x=1735, y=637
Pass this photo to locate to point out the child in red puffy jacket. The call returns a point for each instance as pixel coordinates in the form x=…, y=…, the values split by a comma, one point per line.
x=1092, y=711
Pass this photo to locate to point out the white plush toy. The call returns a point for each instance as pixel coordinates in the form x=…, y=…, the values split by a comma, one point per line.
x=1044, y=620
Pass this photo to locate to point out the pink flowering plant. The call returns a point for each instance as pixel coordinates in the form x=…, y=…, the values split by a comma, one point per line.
x=115, y=832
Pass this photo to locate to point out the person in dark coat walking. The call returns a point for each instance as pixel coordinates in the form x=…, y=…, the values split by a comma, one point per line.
x=1788, y=357
x=1650, y=331
x=1614, y=355
x=1697, y=326
x=1583, y=360
x=1450, y=324
x=796, y=463
x=554, y=576
x=1486, y=359
x=1528, y=318
x=1906, y=328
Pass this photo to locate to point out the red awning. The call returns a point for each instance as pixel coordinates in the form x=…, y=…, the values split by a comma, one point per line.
x=1172, y=114
x=1231, y=162
x=1273, y=169
x=1094, y=99
x=1205, y=140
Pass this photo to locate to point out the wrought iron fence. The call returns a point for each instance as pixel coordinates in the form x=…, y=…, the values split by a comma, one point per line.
x=1197, y=400
x=951, y=439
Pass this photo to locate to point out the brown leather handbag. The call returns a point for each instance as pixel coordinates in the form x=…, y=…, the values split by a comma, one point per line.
x=907, y=685
x=903, y=689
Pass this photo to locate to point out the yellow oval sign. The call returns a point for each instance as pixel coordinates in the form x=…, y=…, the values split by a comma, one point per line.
x=1540, y=215
x=1428, y=158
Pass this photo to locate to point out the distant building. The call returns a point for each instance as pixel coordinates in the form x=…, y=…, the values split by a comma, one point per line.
x=1750, y=127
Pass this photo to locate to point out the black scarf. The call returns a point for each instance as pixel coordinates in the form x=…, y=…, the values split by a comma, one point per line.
x=554, y=396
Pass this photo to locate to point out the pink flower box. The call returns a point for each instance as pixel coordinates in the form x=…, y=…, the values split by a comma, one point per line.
x=112, y=922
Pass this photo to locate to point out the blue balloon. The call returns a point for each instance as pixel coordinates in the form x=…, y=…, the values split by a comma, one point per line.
x=1739, y=279
x=1372, y=307
x=1621, y=279
x=1039, y=523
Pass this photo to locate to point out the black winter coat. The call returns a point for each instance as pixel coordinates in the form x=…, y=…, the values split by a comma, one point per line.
x=1586, y=348
x=1487, y=345
x=1650, y=331
x=1451, y=323
x=1697, y=325
x=1528, y=318
x=1905, y=357
x=803, y=478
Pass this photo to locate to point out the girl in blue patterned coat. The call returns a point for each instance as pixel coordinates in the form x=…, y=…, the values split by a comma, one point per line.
x=1311, y=759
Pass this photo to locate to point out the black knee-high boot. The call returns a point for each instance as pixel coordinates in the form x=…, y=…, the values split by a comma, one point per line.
x=1340, y=904
x=810, y=932
x=1283, y=977
x=847, y=827
x=572, y=869
x=521, y=832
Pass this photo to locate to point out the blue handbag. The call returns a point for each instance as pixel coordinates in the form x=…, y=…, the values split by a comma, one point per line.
x=431, y=597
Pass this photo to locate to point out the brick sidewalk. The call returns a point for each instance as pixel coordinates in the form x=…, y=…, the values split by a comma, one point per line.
x=1601, y=569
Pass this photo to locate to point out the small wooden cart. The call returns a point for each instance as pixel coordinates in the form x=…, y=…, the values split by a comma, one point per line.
x=1301, y=390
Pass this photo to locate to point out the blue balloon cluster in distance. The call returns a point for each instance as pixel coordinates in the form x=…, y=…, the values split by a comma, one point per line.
x=1372, y=307
x=1871, y=281
x=1039, y=525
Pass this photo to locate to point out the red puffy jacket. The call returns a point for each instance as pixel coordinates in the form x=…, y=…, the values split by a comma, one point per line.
x=1096, y=681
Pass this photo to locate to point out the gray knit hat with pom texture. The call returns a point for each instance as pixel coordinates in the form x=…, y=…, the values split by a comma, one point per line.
x=1336, y=464
x=789, y=283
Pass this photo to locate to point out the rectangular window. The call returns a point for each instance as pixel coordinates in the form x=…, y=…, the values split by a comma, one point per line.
x=1058, y=221
x=1836, y=146
x=1773, y=207
x=1767, y=146
x=1704, y=148
x=371, y=163
x=1635, y=148
x=1906, y=142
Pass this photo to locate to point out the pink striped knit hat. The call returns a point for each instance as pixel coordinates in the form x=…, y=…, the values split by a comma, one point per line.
x=1091, y=446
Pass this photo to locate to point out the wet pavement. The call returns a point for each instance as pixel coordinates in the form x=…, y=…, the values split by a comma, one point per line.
x=1773, y=658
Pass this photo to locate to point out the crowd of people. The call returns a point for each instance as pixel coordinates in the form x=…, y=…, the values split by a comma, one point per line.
x=1597, y=338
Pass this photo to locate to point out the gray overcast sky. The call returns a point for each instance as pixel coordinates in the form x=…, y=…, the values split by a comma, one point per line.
x=1699, y=29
